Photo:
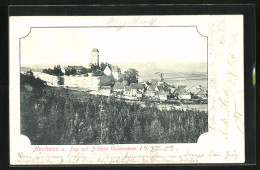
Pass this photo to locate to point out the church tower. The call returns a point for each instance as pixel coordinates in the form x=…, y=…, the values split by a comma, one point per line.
x=95, y=56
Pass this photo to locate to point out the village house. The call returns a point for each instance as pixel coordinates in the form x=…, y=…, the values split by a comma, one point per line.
x=197, y=92
x=172, y=88
x=164, y=88
x=139, y=94
x=116, y=72
x=118, y=87
x=194, y=90
x=135, y=87
x=201, y=94
x=162, y=95
x=127, y=91
x=151, y=90
x=183, y=94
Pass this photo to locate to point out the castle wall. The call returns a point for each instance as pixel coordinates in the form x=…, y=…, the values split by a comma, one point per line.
x=78, y=81
x=90, y=82
x=96, y=83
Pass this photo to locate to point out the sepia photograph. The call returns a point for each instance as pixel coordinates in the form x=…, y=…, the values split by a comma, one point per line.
x=98, y=85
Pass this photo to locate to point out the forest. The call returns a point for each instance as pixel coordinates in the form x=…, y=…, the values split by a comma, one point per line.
x=58, y=116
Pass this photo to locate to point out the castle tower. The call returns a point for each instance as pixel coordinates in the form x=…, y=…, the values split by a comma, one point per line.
x=95, y=56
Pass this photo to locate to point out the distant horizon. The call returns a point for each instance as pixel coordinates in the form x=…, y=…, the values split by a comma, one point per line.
x=162, y=66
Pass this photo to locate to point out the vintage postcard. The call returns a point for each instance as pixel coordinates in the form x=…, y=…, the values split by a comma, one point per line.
x=126, y=89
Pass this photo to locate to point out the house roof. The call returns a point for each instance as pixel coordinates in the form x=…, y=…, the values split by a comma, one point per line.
x=162, y=92
x=136, y=86
x=173, y=90
x=172, y=86
x=182, y=90
x=160, y=87
x=125, y=82
x=115, y=69
x=127, y=88
x=95, y=50
x=75, y=67
x=107, y=67
x=148, y=83
x=192, y=89
x=201, y=92
x=164, y=88
x=154, y=81
x=197, y=91
x=151, y=88
x=119, y=85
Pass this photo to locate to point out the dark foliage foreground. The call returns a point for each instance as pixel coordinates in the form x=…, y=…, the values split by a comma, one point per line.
x=55, y=116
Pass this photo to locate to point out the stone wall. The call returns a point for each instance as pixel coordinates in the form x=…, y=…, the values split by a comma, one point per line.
x=45, y=77
x=78, y=81
x=90, y=82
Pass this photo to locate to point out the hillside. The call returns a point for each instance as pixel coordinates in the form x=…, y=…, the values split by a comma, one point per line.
x=54, y=115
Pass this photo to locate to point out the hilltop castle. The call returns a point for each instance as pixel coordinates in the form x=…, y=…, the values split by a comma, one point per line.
x=82, y=77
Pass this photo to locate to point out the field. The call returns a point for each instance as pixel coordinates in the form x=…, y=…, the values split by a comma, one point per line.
x=181, y=78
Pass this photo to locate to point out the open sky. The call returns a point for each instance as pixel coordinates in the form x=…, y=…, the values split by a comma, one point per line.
x=72, y=46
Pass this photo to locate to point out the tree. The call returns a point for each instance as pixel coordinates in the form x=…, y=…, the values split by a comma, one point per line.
x=70, y=71
x=96, y=70
x=157, y=132
x=136, y=131
x=29, y=73
x=84, y=71
x=104, y=65
x=86, y=134
x=131, y=76
x=60, y=117
x=56, y=71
